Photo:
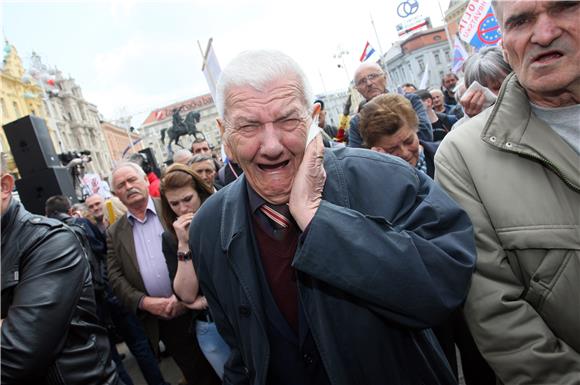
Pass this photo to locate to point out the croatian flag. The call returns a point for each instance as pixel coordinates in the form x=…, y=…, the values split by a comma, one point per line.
x=478, y=26
x=368, y=52
x=459, y=55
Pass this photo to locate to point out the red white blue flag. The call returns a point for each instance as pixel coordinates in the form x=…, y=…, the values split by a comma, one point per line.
x=368, y=53
x=478, y=26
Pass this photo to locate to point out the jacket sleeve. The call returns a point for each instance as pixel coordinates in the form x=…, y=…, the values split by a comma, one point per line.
x=414, y=271
x=508, y=331
x=425, y=130
x=52, y=277
x=354, y=138
x=127, y=293
x=235, y=370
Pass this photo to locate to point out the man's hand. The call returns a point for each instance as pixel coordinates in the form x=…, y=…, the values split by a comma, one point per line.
x=472, y=103
x=158, y=306
x=308, y=184
x=174, y=308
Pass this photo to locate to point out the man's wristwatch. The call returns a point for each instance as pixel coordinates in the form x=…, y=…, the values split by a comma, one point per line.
x=184, y=256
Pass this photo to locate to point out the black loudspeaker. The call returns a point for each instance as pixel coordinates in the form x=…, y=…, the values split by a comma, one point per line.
x=30, y=144
x=35, y=189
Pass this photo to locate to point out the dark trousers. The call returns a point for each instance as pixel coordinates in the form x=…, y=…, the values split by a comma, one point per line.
x=130, y=329
x=182, y=344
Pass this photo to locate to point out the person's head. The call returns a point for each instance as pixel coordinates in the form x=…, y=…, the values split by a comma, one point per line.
x=321, y=114
x=541, y=42
x=389, y=124
x=409, y=88
x=265, y=104
x=6, y=183
x=130, y=185
x=449, y=81
x=200, y=146
x=204, y=167
x=438, y=99
x=487, y=67
x=182, y=192
x=57, y=204
x=426, y=98
x=370, y=80
x=182, y=156
x=96, y=204
x=78, y=210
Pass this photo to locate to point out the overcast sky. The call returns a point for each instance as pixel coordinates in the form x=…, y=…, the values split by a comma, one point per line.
x=134, y=56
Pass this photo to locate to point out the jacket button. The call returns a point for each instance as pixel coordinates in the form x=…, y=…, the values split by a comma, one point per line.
x=536, y=278
x=308, y=359
x=244, y=311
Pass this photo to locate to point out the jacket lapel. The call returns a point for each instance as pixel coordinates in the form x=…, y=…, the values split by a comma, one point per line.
x=125, y=237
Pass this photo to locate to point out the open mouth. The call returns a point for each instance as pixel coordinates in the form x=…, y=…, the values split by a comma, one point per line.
x=274, y=166
x=547, y=57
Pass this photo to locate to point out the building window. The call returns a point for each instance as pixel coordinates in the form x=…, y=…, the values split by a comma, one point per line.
x=421, y=63
x=447, y=55
x=437, y=58
x=16, y=109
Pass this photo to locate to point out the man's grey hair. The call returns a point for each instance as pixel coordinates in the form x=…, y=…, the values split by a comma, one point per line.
x=122, y=164
x=484, y=66
x=256, y=69
x=198, y=158
x=180, y=154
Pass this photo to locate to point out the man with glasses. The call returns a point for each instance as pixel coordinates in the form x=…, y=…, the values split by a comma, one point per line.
x=370, y=81
x=316, y=270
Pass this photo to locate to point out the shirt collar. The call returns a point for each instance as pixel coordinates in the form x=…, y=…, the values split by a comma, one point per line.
x=150, y=209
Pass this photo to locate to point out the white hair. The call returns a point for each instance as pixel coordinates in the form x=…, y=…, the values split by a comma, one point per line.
x=122, y=164
x=257, y=68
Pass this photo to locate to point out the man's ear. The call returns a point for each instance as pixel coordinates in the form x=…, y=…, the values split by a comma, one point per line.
x=225, y=142
x=7, y=184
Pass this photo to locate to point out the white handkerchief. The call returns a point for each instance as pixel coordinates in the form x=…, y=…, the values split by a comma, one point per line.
x=312, y=131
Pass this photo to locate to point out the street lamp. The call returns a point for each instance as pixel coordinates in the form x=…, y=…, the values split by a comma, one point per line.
x=340, y=56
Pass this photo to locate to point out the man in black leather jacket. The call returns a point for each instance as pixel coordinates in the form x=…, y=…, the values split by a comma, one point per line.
x=50, y=330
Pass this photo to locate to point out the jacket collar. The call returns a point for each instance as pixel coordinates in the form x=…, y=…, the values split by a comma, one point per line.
x=234, y=213
x=512, y=126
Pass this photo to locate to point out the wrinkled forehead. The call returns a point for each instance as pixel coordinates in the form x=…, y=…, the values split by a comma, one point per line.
x=366, y=69
x=280, y=97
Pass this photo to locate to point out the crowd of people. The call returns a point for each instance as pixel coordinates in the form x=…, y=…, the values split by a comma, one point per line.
x=443, y=239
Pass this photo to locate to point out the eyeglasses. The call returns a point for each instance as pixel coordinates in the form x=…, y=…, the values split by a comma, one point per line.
x=369, y=78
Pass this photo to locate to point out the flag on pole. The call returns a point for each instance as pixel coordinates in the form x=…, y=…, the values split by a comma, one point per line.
x=211, y=68
x=459, y=55
x=478, y=26
x=368, y=52
x=425, y=78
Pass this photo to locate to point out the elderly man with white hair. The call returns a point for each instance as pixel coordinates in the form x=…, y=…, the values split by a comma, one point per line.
x=316, y=270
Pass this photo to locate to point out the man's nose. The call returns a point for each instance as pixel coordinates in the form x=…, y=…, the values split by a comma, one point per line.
x=270, y=141
x=546, y=30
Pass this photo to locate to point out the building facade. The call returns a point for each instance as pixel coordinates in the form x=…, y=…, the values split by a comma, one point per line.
x=20, y=95
x=162, y=119
x=120, y=141
x=406, y=61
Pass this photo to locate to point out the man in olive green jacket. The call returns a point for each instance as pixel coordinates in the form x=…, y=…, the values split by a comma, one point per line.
x=515, y=170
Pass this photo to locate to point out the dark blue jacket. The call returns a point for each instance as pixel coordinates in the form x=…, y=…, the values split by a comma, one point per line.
x=387, y=256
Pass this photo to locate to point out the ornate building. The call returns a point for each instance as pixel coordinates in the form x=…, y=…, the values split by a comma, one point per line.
x=20, y=95
x=407, y=60
x=161, y=119
x=453, y=15
x=77, y=121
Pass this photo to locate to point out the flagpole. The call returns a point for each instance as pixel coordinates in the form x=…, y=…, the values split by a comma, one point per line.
x=377, y=35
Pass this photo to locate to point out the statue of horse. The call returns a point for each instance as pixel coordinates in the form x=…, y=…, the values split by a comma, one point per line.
x=181, y=127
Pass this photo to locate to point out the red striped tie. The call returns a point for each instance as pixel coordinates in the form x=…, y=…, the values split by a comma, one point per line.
x=275, y=216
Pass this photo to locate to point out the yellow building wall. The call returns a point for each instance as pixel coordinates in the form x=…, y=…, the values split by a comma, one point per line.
x=19, y=98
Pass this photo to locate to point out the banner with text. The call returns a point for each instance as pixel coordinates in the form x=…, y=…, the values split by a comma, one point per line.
x=478, y=26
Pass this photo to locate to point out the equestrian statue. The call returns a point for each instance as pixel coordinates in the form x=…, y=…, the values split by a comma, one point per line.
x=181, y=127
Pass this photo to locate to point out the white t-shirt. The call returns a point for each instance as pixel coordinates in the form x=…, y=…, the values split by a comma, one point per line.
x=564, y=120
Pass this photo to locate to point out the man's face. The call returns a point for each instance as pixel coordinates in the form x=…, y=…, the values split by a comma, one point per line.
x=130, y=187
x=370, y=88
x=95, y=205
x=541, y=41
x=7, y=184
x=404, y=143
x=449, y=82
x=427, y=103
x=205, y=170
x=266, y=135
x=200, y=148
x=437, y=99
